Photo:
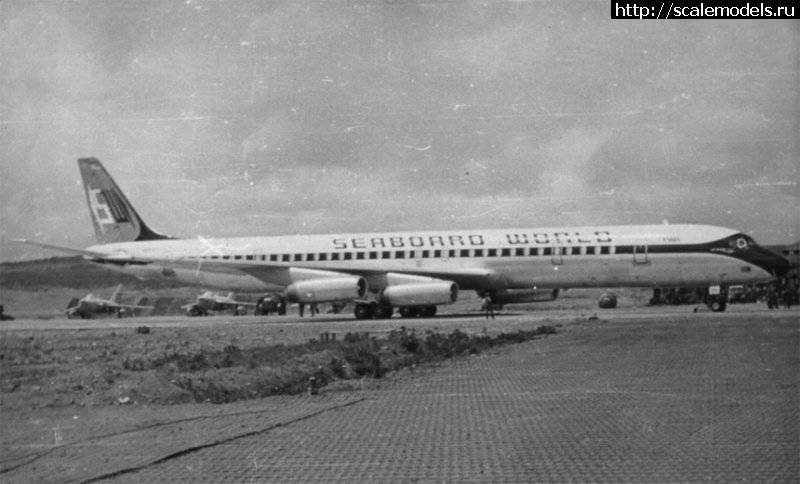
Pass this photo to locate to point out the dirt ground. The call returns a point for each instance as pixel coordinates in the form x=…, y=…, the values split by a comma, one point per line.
x=72, y=387
x=70, y=379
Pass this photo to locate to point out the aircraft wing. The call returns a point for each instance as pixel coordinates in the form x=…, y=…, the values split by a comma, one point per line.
x=280, y=273
x=464, y=277
x=61, y=248
x=134, y=306
x=116, y=305
x=241, y=303
x=232, y=302
x=284, y=274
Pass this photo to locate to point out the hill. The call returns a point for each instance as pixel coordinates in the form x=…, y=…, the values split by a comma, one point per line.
x=71, y=272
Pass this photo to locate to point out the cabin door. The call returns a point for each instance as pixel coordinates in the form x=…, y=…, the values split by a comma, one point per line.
x=640, y=255
x=557, y=256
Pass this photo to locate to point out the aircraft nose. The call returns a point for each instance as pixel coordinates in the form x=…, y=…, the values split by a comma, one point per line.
x=770, y=261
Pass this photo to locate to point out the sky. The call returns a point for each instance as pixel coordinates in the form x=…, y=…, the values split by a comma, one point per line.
x=251, y=117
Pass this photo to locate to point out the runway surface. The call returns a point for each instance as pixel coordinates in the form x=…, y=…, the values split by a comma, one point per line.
x=634, y=396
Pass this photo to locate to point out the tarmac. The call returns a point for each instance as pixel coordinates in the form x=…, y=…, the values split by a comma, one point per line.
x=672, y=397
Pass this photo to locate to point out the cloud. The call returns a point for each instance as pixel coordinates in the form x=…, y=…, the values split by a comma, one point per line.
x=247, y=117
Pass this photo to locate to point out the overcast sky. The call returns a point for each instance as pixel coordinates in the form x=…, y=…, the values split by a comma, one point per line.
x=258, y=118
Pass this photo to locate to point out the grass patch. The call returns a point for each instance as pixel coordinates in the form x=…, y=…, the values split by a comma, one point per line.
x=181, y=372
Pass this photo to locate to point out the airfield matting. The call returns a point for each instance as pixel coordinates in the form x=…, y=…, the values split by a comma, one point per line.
x=676, y=397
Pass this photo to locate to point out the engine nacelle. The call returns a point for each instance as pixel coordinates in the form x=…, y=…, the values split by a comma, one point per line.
x=326, y=289
x=420, y=294
x=515, y=296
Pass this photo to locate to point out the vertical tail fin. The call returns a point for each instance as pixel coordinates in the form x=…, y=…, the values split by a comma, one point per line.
x=115, y=297
x=113, y=217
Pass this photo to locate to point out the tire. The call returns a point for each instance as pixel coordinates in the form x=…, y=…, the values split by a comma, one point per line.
x=427, y=312
x=409, y=311
x=717, y=306
x=607, y=301
x=364, y=311
x=383, y=311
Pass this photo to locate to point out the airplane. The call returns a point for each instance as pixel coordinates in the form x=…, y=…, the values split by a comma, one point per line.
x=414, y=272
x=211, y=301
x=90, y=305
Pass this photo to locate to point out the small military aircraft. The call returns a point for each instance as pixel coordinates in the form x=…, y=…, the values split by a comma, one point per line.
x=212, y=301
x=90, y=305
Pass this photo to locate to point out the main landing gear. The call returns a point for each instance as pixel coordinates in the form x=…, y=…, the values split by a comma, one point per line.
x=717, y=298
x=374, y=310
x=717, y=305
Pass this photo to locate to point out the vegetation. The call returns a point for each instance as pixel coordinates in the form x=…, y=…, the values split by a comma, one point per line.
x=180, y=373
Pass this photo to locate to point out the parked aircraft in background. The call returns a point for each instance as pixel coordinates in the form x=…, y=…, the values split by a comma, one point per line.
x=211, y=301
x=91, y=305
x=417, y=271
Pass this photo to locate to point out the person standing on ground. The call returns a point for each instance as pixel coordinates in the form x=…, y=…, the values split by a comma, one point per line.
x=488, y=307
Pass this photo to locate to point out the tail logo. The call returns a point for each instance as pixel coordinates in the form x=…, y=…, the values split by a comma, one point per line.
x=108, y=207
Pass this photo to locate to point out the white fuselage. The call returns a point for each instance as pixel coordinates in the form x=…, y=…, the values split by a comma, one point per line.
x=603, y=256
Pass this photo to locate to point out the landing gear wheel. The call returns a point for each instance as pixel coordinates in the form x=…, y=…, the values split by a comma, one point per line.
x=717, y=306
x=195, y=311
x=364, y=311
x=409, y=311
x=427, y=311
x=383, y=311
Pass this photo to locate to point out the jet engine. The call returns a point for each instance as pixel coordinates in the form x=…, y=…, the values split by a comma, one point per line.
x=326, y=289
x=515, y=296
x=420, y=294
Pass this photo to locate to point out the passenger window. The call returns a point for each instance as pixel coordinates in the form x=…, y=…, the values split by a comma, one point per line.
x=590, y=250
x=373, y=255
x=491, y=252
x=399, y=254
x=286, y=257
x=309, y=257
x=437, y=253
x=348, y=256
x=452, y=253
x=334, y=256
x=323, y=256
x=478, y=252
x=359, y=255
x=548, y=251
x=426, y=254
x=464, y=253
x=386, y=254
x=298, y=257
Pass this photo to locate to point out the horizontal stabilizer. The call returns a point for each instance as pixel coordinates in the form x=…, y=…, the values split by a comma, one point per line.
x=66, y=250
